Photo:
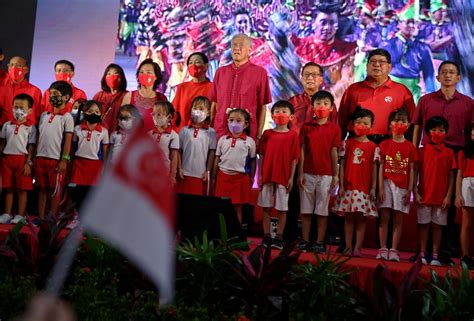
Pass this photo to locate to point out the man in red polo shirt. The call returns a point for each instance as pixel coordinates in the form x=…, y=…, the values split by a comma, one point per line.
x=64, y=70
x=311, y=79
x=240, y=84
x=456, y=108
x=15, y=84
x=377, y=93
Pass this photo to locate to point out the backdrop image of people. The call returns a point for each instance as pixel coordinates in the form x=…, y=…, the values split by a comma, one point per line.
x=336, y=34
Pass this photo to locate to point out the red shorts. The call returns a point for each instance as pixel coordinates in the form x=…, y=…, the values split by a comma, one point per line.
x=192, y=185
x=12, y=173
x=46, y=173
x=236, y=187
x=86, y=171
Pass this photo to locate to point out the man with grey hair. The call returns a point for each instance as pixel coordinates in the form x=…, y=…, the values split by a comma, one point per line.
x=240, y=84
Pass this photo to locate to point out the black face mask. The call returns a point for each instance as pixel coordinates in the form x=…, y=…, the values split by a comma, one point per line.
x=92, y=118
x=56, y=101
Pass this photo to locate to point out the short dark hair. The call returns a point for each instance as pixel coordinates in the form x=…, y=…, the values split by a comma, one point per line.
x=322, y=94
x=400, y=112
x=156, y=69
x=436, y=121
x=283, y=104
x=312, y=64
x=63, y=87
x=200, y=54
x=123, y=81
x=241, y=10
x=26, y=97
x=129, y=108
x=449, y=62
x=380, y=52
x=360, y=112
x=64, y=62
x=204, y=100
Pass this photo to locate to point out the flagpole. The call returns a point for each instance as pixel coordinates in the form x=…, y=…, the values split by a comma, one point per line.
x=63, y=264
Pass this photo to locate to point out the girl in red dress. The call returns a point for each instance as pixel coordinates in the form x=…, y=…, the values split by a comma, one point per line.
x=357, y=181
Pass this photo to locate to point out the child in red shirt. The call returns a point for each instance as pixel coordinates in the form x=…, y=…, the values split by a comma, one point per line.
x=318, y=169
x=435, y=186
x=279, y=152
x=465, y=192
x=396, y=176
x=357, y=180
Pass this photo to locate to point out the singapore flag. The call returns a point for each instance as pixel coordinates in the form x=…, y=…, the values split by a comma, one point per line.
x=133, y=210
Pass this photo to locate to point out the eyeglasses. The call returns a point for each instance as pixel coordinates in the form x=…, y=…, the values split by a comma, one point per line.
x=313, y=74
x=380, y=62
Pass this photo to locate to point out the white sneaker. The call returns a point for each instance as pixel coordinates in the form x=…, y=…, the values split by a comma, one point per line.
x=5, y=218
x=435, y=262
x=73, y=224
x=17, y=219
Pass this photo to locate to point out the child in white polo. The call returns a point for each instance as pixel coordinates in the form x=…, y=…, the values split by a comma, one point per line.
x=18, y=138
x=278, y=151
x=233, y=152
x=198, y=146
x=128, y=118
x=318, y=169
x=54, y=147
x=168, y=140
x=91, y=141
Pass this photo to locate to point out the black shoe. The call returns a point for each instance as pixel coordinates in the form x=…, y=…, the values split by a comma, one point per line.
x=266, y=242
x=414, y=257
x=277, y=244
x=303, y=246
x=341, y=248
x=468, y=261
x=320, y=247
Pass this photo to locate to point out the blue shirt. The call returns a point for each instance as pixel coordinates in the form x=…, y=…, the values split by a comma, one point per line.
x=409, y=57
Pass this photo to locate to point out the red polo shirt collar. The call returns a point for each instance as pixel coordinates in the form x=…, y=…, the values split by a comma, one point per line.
x=203, y=126
x=241, y=67
x=27, y=123
x=242, y=136
x=167, y=131
x=84, y=127
x=440, y=94
x=388, y=83
x=61, y=112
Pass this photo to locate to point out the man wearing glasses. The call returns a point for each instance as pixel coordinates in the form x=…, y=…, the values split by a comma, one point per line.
x=16, y=83
x=377, y=93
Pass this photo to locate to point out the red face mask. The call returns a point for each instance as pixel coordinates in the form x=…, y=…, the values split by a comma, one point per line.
x=437, y=137
x=322, y=112
x=399, y=128
x=361, y=130
x=281, y=119
x=64, y=76
x=113, y=81
x=16, y=74
x=196, y=71
x=146, y=80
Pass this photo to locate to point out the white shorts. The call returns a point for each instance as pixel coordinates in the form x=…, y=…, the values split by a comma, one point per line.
x=435, y=214
x=274, y=195
x=393, y=197
x=467, y=191
x=315, y=194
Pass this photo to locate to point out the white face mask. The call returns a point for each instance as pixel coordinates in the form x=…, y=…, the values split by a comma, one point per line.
x=198, y=116
x=126, y=124
x=160, y=121
x=19, y=114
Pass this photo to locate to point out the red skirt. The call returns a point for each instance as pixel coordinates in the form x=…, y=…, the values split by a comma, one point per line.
x=12, y=173
x=236, y=187
x=192, y=185
x=86, y=171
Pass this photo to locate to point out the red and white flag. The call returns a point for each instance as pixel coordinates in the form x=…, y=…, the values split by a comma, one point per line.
x=133, y=209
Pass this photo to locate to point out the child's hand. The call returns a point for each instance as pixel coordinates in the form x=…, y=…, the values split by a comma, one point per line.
x=260, y=181
x=173, y=180
x=373, y=197
x=381, y=194
x=62, y=166
x=289, y=186
x=341, y=191
x=181, y=173
x=459, y=201
x=406, y=198
x=418, y=198
x=334, y=181
x=301, y=181
x=203, y=176
x=27, y=170
x=446, y=202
